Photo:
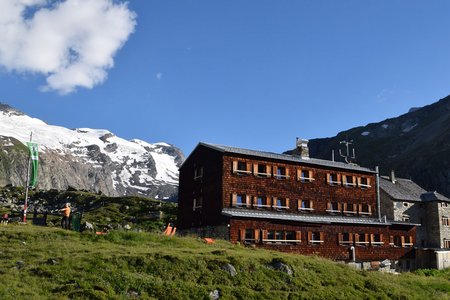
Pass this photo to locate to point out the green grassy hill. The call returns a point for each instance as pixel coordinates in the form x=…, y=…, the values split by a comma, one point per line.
x=50, y=263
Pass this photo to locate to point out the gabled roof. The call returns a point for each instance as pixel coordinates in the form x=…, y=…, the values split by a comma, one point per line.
x=285, y=157
x=306, y=218
x=408, y=190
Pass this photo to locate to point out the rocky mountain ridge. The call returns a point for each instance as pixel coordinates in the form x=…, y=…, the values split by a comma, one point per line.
x=416, y=145
x=89, y=159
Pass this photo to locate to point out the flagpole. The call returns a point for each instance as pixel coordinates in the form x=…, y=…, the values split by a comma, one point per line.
x=25, y=206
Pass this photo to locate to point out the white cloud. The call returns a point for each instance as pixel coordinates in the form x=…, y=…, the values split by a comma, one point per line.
x=71, y=42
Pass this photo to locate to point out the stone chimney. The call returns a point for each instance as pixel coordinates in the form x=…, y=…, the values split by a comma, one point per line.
x=392, y=177
x=302, y=148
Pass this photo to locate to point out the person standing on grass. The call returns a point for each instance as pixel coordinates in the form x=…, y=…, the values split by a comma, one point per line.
x=66, y=215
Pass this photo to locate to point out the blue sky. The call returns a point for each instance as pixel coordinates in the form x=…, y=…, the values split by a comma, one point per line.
x=253, y=74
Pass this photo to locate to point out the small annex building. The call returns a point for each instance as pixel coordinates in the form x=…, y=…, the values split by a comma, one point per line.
x=290, y=203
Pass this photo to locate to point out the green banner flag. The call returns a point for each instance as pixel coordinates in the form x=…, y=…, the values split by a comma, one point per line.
x=33, y=147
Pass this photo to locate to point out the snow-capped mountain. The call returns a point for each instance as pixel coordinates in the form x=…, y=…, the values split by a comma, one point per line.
x=89, y=159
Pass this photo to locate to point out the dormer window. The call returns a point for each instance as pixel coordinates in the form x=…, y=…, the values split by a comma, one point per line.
x=333, y=179
x=304, y=175
x=242, y=168
x=261, y=170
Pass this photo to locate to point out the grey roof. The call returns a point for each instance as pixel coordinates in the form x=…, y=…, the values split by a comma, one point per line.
x=286, y=157
x=408, y=190
x=308, y=218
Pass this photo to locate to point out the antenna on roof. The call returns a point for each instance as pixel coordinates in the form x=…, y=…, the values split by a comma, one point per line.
x=349, y=158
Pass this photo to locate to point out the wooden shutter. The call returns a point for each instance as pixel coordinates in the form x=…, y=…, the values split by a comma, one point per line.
x=350, y=237
x=264, y=234
x=309, y=237
x=411, y=239
x=340, y=238
x=345, y=207
x=255, y=200
x=248, y=167
x=298, y=235
x=322, y=236
x=287, y=172
x=287, y=202
x=310, y=204
x=242, y=234
x=329, y=206
x=356, y=237
x=268, y=170
x=247, y=201
x=255, y=169
x=391, y=240
x=353, y=179
x=403, y=241
x=360, y=208
x=339, y=177
x=275, y=171
x=299, y=174
x=233, y=199
x=328, y=178
x=372, y=238
x=368, y=181
x=369, y=209
x=339, y=206
x=256, y=235
x=274, y=201
x=344, y=179
x=381, y=239
x=235, y=166
x=366, y=237
x=359, y=181
x=310, y=174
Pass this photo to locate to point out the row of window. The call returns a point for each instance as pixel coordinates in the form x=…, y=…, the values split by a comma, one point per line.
x=281, y=172
x=279, y=203
x=257, y=236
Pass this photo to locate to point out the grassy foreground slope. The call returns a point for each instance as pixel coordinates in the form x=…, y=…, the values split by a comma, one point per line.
x=42, y=262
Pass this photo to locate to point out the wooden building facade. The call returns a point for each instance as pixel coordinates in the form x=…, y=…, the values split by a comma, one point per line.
x=290, y=203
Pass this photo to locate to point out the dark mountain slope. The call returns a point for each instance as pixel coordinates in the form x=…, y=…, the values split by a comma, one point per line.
x=416, y=145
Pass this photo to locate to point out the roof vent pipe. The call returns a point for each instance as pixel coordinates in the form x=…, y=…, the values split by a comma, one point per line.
x=392, y=177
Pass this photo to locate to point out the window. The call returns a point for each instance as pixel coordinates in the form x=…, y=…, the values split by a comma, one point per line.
x=365, y=209
x=445, y=221
x=444, y=204
x=198, y=203
x=405, y=204
x=315, y=237
x=333, y=179
x=348, y=180
x=333, y=207
x=280, y=203
x=281, y=236
x=345, y=239
x=405, y=218
x=241, y=168
x=407, y=241
x=305, y=205
x=376, y=239
x=304, y=175
x=261, y=202
x=198, y=173
x=261, y=170
x=361, y=239
x=349, y=208
x=240, y=200
x=280, y=172
x=249, y=235
x=446, y=243
x=396, y=241
x=364, y=182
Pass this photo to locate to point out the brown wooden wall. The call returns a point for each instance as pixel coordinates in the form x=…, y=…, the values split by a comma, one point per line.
x=330, y=248
x=318, y=190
